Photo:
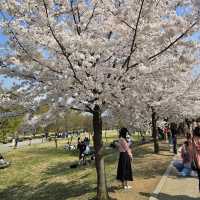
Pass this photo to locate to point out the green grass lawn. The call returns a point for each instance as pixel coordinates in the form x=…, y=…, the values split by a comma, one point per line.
x=41, y=172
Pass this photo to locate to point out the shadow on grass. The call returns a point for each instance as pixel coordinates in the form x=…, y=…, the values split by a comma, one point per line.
x=46, y=191
x=62, y=169
x=163, y=196
x=162, y=154
x=150, y=170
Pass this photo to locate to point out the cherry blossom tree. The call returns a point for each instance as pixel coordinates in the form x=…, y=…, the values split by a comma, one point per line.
x=85, y=55
x=157, y=93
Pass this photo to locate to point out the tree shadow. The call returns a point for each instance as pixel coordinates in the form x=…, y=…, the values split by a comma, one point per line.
x=46, y=191
x=162, y=154
x=115, y=188
x=163, y=196
x=142, y=151
x=63, y=169
x=150, y=171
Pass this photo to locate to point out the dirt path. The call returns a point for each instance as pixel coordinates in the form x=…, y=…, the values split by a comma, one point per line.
x=8, y=147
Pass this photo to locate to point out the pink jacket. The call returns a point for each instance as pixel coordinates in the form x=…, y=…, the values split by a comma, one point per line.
x=123, y=146
x=196, y=150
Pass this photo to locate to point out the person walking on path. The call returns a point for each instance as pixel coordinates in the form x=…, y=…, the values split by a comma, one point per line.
x=46, y=135
x=124, y=170
x=165, y=131
x=196, y=150
x=16, y=142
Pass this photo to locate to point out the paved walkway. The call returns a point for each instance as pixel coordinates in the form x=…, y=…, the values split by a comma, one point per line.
x=8, y=147
x=174, y=187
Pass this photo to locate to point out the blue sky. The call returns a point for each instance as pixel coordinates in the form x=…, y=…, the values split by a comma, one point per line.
x=7, y=82
x=3, y=38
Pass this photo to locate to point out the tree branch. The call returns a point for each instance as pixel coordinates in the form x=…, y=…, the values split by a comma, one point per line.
x=172, y=43
x=80, y=110
x=74, y=18
x=88, y=109
x=78, y=12
x=66, y=55
x=127, y=61
x=128, y=25
x=26, y=51
x=151, y=58
x=92, y=15
x=26, y=76
x=107, y=59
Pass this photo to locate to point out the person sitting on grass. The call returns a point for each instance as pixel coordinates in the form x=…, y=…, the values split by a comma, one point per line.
x=3, y=161
x=184, y=165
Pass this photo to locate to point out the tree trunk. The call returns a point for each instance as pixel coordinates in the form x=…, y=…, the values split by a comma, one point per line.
x=154, y=131
x=102, y=193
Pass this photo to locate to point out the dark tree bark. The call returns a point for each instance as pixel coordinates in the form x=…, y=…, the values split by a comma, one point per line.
x=154, y=131
x=102, y=193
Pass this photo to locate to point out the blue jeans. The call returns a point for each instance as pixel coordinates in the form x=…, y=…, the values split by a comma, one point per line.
x=184, y=171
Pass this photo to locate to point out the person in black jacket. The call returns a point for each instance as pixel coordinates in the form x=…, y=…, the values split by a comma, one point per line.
x=81, y=146
x=173, y=128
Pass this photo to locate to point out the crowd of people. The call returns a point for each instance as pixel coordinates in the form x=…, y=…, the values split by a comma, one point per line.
x=187, y=165
x=169, y=134
x=188, y=162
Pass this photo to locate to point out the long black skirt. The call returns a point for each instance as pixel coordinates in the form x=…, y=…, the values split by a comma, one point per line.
x=124, y=170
